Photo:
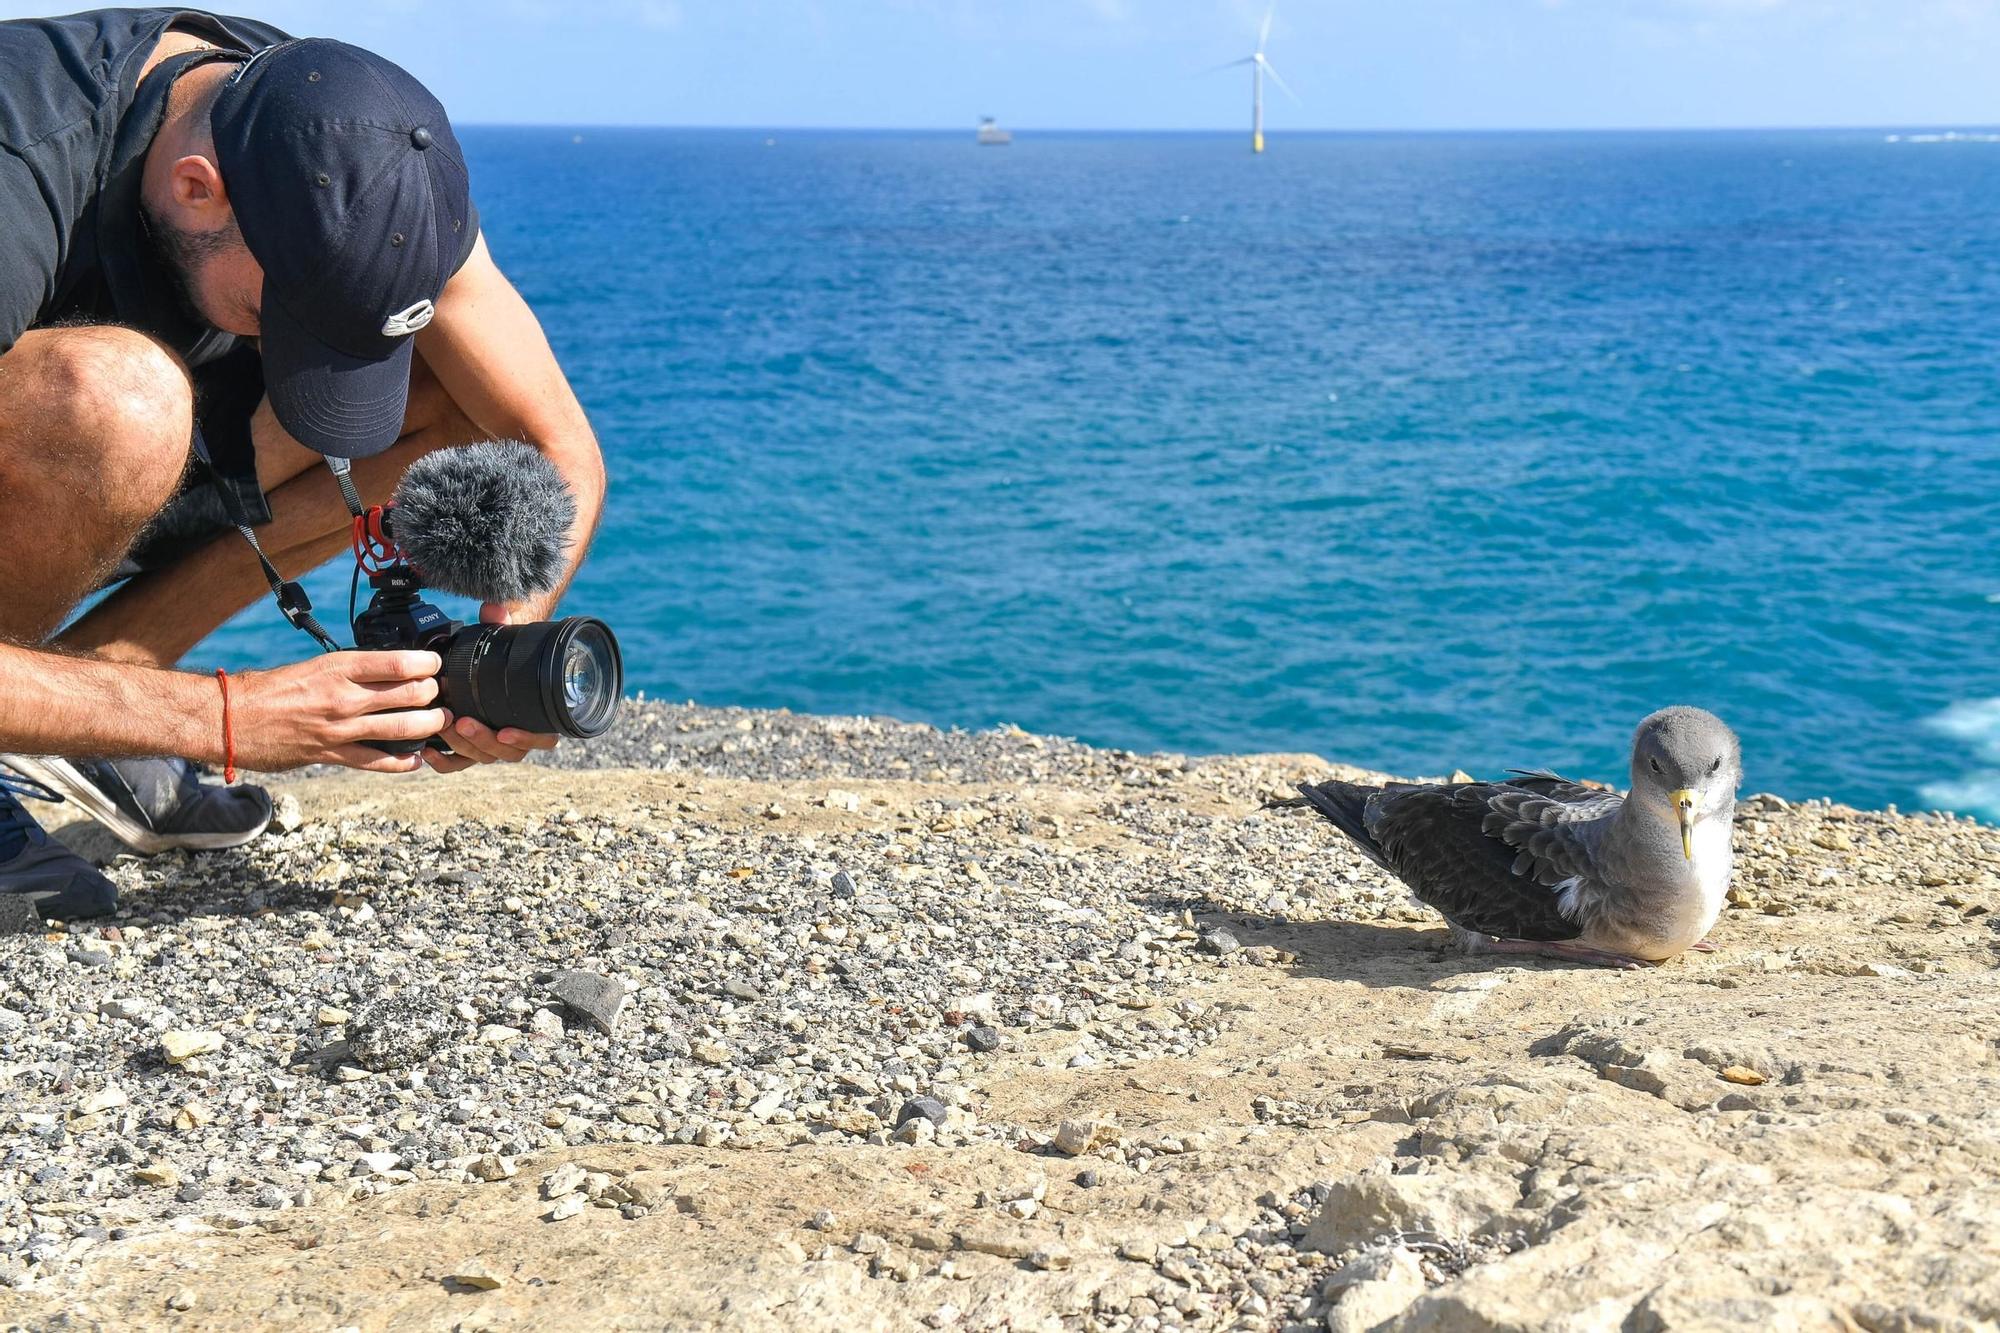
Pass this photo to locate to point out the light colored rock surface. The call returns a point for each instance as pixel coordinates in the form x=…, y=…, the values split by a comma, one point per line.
x=1546, y=1147
x=1372, y=1289
x=1073, y=1138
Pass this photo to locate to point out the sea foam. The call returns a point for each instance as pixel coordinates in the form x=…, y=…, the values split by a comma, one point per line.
x=1977, y=723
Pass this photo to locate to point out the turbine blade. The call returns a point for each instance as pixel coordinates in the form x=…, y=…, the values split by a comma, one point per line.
x=1230, y=64
x=1264, y=33
x=1281, y=83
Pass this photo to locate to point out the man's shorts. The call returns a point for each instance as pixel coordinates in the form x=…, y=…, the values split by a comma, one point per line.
x=220, y=490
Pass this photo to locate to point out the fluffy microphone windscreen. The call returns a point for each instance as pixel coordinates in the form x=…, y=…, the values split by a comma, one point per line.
x=488, y=521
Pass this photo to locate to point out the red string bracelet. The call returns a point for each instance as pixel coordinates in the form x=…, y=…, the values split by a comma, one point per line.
x=228, y=729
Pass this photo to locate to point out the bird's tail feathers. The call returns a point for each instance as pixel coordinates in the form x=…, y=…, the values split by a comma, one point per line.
x=1345, y=805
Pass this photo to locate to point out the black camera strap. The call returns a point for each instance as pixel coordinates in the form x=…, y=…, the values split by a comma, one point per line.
x=290, y=595
x=342, y=471
x=291, y=598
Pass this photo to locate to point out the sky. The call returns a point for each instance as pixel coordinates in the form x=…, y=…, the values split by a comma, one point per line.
x=1137, y=64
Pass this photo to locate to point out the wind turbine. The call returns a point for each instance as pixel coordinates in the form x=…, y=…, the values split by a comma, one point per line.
x=1259, y=67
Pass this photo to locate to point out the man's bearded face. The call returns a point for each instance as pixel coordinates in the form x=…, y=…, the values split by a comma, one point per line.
x=218, y=282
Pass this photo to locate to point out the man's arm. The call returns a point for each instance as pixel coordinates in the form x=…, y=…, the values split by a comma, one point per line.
x=313, y=712
x=488, y=351
x=490, y=355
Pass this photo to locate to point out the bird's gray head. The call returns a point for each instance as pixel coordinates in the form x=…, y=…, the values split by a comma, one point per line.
x=1685, y=767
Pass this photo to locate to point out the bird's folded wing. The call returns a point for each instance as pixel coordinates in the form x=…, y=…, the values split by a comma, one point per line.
x=1435, y=839
x=1542, y=821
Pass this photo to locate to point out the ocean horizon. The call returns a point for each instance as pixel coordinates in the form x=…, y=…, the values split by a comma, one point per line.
x=1418, y=449
x=1963, y=129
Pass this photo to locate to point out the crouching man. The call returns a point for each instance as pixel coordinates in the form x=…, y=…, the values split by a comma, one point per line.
x=229, y=255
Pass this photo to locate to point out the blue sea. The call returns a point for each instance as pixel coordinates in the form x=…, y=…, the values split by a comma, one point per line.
x=1422, y=451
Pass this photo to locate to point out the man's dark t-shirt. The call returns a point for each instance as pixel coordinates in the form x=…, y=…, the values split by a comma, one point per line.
x=75, y=124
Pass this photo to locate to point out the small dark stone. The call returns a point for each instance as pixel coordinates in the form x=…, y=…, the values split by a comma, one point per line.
x=1087, y=1179
x=595, y=999
x=982, y=1038
x=90, y=957
x=930, y=1108
x=397, y=1033
x=843, y=884
x=190, y=1193
x=18, y=915
x=1220, y=942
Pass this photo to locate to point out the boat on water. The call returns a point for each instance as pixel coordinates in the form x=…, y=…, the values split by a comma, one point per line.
x=991, y=134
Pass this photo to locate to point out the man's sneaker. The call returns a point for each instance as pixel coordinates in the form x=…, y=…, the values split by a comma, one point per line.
x=152, y=805
x=57, y=881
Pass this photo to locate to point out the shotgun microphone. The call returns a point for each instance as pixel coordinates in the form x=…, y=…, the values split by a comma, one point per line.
x=488, y=521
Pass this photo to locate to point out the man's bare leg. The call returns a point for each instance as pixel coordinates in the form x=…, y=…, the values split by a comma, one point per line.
x=158, y=616
x=94, y=439
x=95, y=428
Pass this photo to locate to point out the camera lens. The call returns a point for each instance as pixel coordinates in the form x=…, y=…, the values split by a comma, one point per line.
x=555, y=676
x=592, y=677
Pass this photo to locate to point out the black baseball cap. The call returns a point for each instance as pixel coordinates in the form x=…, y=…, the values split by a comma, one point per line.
x=352, y=193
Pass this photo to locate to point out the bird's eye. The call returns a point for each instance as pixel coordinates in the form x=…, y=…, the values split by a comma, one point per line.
x=1715, y=767
x=1655, y=763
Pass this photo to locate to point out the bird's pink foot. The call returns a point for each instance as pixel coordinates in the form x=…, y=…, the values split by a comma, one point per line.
x=1704, y=946
x=1567, y=950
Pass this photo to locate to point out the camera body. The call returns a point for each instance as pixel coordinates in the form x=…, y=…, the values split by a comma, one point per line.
x=397, y=617
x=560, y=677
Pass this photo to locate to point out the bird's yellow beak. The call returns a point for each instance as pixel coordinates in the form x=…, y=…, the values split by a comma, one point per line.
x=1684, y=804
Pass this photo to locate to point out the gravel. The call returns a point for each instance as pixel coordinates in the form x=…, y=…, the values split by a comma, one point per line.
x=376, y=1005
x=754, y=743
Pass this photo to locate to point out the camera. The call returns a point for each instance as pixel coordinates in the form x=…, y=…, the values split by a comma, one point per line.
x=490, y=521
x=554, y=676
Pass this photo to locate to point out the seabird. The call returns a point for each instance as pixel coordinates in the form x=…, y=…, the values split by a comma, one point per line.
x=1542, y=865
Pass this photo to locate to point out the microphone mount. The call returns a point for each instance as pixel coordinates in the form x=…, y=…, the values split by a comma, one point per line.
x=374, y=541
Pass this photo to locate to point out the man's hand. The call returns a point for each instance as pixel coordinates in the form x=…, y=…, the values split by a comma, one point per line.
x=514, y=613
x=474, y=742
x=320, y=711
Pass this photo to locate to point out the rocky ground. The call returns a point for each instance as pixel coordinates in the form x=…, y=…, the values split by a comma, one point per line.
x=754, y=1020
